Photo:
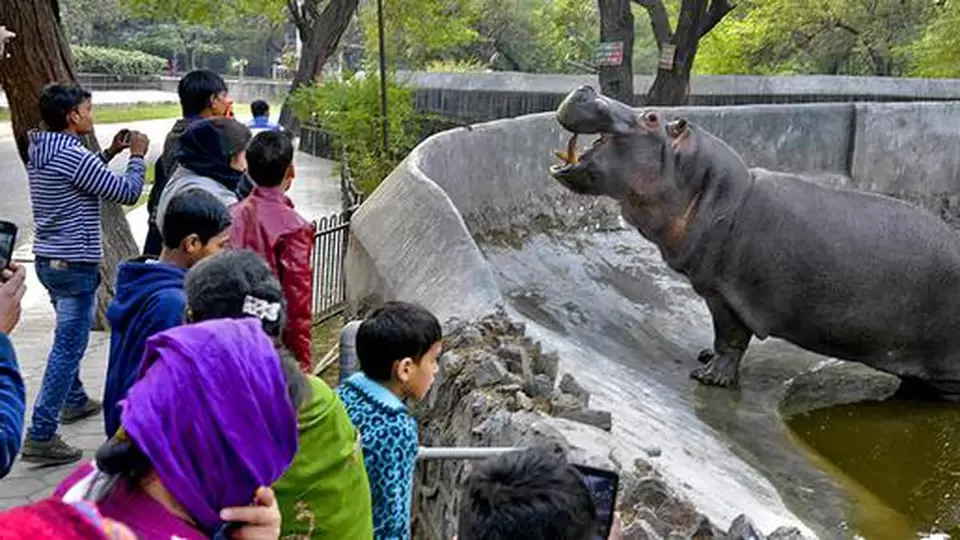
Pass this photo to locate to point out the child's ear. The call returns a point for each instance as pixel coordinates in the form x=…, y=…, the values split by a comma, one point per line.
x=402, y=369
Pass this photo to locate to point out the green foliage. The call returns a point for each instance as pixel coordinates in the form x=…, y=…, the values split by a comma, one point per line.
x=210, y=12
x=169, y=39
x=568, y=32
x=91, y=59
x=418, y=30
x=536, y=35
x=454, y=66
x=937, y=52
x=848, y=37
x=350, y=109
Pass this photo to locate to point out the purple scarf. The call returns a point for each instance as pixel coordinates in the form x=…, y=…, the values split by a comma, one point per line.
x=213, y=415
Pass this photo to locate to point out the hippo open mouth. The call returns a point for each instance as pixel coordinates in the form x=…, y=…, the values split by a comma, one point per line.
x=571, y=160
x=583, y=112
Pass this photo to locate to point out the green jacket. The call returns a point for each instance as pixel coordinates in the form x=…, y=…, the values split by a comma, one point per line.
x=325, y=492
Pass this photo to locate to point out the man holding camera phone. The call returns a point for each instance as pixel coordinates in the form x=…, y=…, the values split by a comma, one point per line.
x=67, y=184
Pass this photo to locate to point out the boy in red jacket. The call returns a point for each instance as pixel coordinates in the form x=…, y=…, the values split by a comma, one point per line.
x=267, y=223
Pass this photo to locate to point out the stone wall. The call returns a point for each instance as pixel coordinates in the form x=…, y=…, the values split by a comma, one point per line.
x=499, y=388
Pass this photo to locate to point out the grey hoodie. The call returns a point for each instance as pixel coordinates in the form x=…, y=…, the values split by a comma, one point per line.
x=184, y=179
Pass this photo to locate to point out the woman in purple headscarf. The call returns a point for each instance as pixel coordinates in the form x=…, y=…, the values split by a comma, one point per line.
x=210, y=422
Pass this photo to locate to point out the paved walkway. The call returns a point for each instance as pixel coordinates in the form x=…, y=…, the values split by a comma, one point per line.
x=315, y=192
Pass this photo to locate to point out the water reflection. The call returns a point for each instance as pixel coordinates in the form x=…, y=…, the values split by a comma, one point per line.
x=905, y=454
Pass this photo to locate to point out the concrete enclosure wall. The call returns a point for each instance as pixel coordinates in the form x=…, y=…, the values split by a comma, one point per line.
x=481, y=97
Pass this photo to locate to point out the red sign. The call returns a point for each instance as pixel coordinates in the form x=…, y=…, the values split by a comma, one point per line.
x=609, y=54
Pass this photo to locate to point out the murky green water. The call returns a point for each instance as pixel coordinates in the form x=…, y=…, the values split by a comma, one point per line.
x=899, y=460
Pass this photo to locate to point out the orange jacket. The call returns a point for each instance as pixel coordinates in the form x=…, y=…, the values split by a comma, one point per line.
x=267, y=223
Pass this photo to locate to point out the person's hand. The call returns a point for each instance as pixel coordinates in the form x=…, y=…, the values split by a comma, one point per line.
x=121, y=141
x=261, y=521
x=616, y=528
x=11, y=293
x=5, y=36
x=139, y=144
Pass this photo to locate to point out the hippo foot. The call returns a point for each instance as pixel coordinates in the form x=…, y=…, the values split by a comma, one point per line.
x=717, y=369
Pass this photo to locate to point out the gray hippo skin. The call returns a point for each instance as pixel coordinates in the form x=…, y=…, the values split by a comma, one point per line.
x=848, y=274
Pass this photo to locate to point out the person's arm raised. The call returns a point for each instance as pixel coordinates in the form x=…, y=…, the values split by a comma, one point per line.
x=93, y=176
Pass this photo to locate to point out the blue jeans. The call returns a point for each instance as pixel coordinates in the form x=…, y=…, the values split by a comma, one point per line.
x=73, y=291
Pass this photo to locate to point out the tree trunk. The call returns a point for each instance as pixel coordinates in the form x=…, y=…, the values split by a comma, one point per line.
x=697, y=18
x=616, y=24
x=320, y=34
x=39, y=55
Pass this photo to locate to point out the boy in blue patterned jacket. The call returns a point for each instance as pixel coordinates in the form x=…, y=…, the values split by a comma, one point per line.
x=398, y=347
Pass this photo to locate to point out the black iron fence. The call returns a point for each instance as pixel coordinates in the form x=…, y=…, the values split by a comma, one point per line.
x=331, y=237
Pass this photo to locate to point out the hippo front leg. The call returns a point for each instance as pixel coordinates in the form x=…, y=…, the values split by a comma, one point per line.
x=721, y=365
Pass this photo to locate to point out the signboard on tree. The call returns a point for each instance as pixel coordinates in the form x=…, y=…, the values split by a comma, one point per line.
x=609, y=54
x=667, y=51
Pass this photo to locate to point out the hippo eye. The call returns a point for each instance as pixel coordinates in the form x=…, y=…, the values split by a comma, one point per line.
x=651, y=117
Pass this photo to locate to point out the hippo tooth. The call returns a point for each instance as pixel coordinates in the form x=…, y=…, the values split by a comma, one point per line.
x=572, y=150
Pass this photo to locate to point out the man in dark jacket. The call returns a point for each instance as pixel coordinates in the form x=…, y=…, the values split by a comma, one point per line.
x=267, y=223
x=150, y=297
x=203, y=94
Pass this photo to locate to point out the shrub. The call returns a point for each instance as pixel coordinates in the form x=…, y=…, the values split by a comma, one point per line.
x=349, y=109
x=92, y=59
x=455, y=66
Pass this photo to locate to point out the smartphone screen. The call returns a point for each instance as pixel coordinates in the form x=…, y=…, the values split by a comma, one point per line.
x=603, y=485
x=8, y=240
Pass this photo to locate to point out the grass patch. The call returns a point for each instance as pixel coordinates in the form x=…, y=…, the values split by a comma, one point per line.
x=137, y=112
x=114, y=114
x=324, y=337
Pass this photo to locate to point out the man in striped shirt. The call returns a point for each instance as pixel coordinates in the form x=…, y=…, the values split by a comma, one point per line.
x=67, y=183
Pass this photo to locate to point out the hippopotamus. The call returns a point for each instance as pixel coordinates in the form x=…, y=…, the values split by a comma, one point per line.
x=853, y=275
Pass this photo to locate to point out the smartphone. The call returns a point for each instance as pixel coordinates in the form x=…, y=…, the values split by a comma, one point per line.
x=8, y=242
x=125, y=136
x=603, y=484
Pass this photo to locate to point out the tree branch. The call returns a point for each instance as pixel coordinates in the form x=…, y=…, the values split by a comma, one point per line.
x=296, y=15
x=715, y=13
x=659, y=20
x=847, y=27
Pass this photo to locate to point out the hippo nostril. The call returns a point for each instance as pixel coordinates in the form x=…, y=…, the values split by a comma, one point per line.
x=652, y=117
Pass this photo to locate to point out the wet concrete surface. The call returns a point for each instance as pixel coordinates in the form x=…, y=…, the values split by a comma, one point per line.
x=630, y=328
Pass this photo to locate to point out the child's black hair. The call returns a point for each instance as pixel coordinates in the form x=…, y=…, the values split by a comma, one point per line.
x=218, y=287
x=531, y=494
x=222, y=286
x=269, y=155
x=395, y=331
x=194, y=211
x=57, y=100
x=197, y=88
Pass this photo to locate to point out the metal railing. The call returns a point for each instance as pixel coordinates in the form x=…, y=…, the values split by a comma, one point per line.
x=331, y=237
x=329, y=250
